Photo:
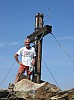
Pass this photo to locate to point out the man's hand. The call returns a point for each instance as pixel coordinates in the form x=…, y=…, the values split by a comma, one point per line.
x=19, y=63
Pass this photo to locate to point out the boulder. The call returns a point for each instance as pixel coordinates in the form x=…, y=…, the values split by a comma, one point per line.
x=29, y=90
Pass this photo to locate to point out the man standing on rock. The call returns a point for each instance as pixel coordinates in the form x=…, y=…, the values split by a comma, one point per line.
x=28, y=60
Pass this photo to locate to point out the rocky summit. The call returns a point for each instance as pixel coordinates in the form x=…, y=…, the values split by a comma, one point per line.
x=28, y=90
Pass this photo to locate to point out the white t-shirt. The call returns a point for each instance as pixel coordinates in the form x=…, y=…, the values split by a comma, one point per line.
x=27, y=55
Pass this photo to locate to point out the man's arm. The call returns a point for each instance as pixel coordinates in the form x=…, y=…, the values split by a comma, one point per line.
x=33, y=61
x=16, y=58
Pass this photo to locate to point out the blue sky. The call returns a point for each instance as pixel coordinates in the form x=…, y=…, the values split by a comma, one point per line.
x=17, y=20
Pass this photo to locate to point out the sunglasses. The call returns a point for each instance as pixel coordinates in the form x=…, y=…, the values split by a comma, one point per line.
x=27, y=42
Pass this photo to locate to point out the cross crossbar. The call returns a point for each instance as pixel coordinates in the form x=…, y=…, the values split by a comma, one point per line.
x=40, y=32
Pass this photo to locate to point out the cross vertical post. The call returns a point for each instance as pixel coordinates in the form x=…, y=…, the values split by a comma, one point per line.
x=38, y=44
x=36, y=38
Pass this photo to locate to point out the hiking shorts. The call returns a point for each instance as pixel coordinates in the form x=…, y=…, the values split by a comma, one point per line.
x=24, y=68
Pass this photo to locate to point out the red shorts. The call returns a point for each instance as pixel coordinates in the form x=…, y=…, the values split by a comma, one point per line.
x=24, y=68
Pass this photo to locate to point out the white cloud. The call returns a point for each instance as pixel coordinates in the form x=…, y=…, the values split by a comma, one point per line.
x=71, y=38
x=8, y=44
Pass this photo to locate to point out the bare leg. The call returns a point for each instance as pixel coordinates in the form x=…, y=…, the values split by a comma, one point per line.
x=17, y=76
x=28, y=77
x=28, y=74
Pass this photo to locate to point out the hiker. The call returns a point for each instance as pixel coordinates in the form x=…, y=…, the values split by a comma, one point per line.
x=28, y=60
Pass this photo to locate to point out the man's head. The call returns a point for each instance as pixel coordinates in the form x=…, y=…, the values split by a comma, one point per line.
x=27, y=43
